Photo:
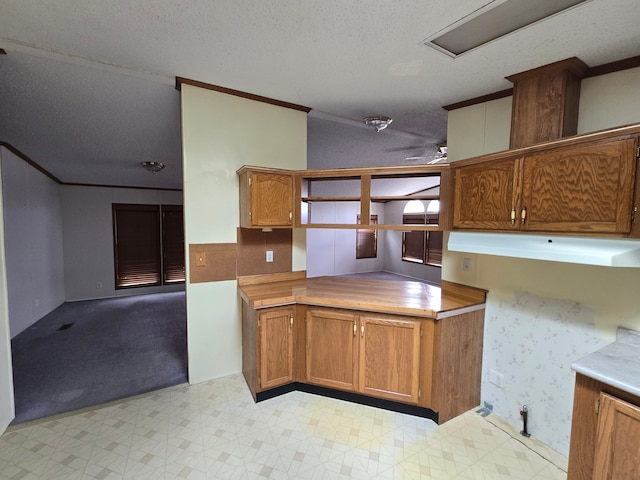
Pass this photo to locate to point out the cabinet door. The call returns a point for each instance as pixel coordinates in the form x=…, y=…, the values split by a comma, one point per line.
x=276, y=347
x=486, y=195
x=390, y=358
x=584, y=188
x=617, y=447
x=271, y=202
x=332, y=349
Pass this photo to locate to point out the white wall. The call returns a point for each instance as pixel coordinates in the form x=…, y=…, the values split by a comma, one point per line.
x=221, y=133
x=87, y=228
x=7, y=408
x=542, y=316
x=333, y=251
x=33, y=242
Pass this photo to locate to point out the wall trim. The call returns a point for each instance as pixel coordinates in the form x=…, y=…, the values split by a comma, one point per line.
x=24, y=157
x=258, y=98
x=482, y=99
x=42, y=170
x=611, y=67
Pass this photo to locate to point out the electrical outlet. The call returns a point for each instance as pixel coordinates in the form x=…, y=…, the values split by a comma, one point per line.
x=98, y=284
x=467, y=265
x=269, y=256
x=496, y=378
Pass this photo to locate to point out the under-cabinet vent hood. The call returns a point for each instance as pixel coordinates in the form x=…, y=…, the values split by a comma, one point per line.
x=588, y=251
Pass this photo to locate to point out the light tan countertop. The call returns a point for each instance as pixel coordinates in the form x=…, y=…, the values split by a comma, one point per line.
x=387, y=296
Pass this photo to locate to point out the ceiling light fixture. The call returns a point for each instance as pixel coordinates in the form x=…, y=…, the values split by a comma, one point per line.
x=378, y=123
x=153, y=167
x=495, y=20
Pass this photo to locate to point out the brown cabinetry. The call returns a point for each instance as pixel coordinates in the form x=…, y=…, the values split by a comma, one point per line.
x=605, y=428
x=377, y=355
x=576, y=188
x=402, y=350
x=332, y=348
x=276, y=347
x=267, y=353
x=389, y=365
x=266, y=198
x=617, y=447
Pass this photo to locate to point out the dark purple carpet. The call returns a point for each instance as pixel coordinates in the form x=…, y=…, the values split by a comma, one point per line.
x=91, y=352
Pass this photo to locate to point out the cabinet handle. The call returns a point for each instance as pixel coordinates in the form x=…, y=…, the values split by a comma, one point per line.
x=355, y=328
x=523, y=215
x=291, y=321
x=513, y=215
x=290, y=216
x=362, y=330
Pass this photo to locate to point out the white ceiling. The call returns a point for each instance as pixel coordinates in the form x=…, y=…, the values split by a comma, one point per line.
x=87, y=89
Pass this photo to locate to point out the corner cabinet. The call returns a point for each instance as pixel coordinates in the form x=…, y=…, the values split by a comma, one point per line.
x=583, y=185
x=266, y=198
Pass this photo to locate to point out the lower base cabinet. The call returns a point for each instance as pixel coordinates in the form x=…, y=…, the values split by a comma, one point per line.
x=267, y=347
x=605, y=429
x=426, y=362
x=374, y=355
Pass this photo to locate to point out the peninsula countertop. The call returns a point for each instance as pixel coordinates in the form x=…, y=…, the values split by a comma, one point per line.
x=411, y=298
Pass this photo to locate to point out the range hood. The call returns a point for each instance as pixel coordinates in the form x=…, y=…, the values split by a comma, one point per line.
x=588, y=251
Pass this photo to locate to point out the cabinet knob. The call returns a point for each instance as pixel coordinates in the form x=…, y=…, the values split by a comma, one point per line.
x=362, y=330
x=355, y=328
x=513, y=215
x=523, y=215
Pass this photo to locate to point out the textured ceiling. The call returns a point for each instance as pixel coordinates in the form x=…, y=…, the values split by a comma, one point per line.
x=86, y=89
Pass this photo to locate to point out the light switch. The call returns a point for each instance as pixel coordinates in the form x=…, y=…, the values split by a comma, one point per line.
x=201, y=259
x=269, y=255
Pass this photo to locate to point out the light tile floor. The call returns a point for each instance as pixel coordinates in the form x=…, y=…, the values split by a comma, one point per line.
x=215, y=431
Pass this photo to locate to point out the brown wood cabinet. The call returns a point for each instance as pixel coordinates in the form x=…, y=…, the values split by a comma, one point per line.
x=389, y=365
x=276, y=347
x=332, y=348
x=576, y=188
x=617, y=446
x=268, y=342
x=401, y=351
x=266, y=198
x=377, y=355
x=605, y=428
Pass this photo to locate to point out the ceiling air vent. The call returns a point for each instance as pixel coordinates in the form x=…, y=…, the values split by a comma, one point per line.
x=496, y=19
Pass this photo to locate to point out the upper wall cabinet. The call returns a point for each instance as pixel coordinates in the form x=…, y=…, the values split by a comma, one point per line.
x=578, y=185
x=266, y=198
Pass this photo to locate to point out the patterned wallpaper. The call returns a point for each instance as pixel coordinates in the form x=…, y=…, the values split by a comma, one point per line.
x=533, y=341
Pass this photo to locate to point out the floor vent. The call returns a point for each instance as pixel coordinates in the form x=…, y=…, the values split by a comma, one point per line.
x=65, y=326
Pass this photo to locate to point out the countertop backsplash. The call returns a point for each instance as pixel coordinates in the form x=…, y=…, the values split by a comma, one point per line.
x=532, y=342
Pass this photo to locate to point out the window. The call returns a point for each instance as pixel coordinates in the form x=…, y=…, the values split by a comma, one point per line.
x=367, y=240
x=422, y=246
x=172, y=244
x=148, y=245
